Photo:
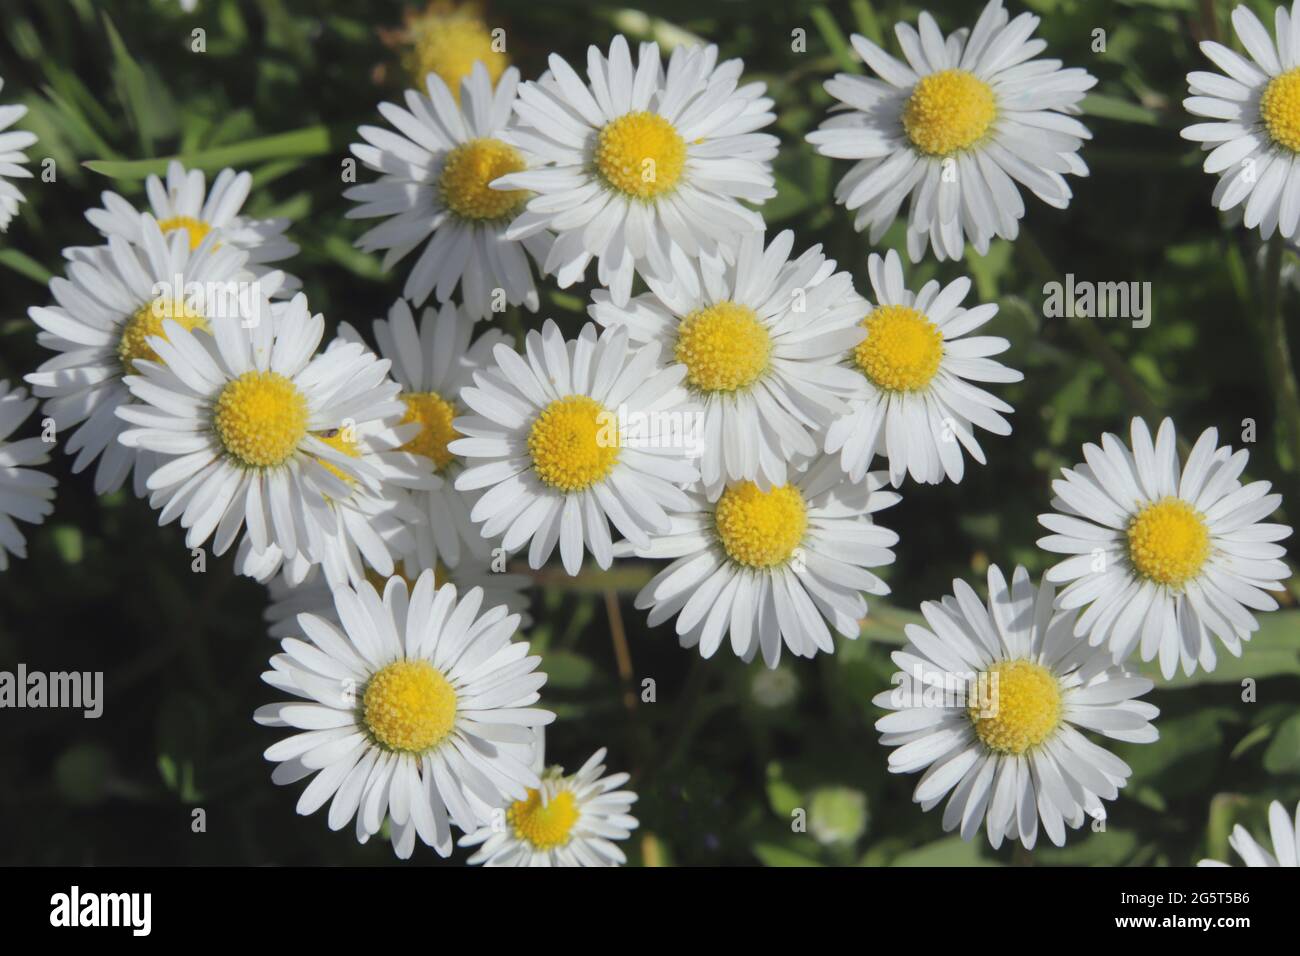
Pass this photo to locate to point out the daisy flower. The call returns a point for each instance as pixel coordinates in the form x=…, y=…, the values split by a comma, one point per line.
x=1285, y=833
x=641, y=161
x=781, y=566
x=568, y=821
x=416, y=708
x=185, y=205
x=988, y=700
x=435, y=173
x=447, y=40
x=1164, y=555
x=759, y=341
x=914, y=403
x=314, y=595
x=25, y=493
x=12, y=159
x=114, y=300
x=242, y=420
x=432, y=361
x=955, y=128
x=1253, y=133
x=571, y=437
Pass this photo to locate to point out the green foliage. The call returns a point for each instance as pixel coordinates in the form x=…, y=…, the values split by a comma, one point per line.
x=726, y=755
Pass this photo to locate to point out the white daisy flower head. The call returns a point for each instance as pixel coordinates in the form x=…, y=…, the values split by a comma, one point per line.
x=12, y=159
x=955, y=128
x=314, y=595
x=1163, y=554
x=241, y=420
x=432, y=360
x=112, y=303
x=760, y=340
x=641, y=161
x=570, y=820
x=184, y=204
x=417, y=707
x=369, y=527
x=989, y=699
x=25, y=493
x=779, y=567
x=1252, y=128
x=1284, y=831
x=436, y=170
x=915, y=404
x=573, y=436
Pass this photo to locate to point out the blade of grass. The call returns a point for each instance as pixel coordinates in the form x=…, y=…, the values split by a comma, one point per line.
x=299, y=144
x=25, y=265
x=834, y=38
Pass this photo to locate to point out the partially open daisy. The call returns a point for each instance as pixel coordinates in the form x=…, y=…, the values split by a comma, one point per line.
x=784, y=566
x=434, y=185
x=1284, y=831
x=432, y=361
x=570, y=437
x=988, y=701
x=448, y=39
x=1253, y=128
x=416, y=708
x=12, y=159
x=25, y=493
x=641, y=162
x=570, y=820
x=364, y=531
x=1163, y=554
x=184, y=205
x=915, y=403
x=114, y=300
x=956, y=127
x=759, y=341
x=242, y=420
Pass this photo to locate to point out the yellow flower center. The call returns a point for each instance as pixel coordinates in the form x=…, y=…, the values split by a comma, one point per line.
x=724, y=347
x=440, y=576
x=196, y=228
x=948, y=111
x=409, y=706
x=147, y=321
x=1168, y=542
x=448, y=44
x=640, y=155
x=1279, y=108
x=434, y=414
x=341, y=439
x=468, y=170
x=902, y=349
x=760, y=529
x=544, y=825
x=260, y=419
x=573, y=443
x=1021, y=706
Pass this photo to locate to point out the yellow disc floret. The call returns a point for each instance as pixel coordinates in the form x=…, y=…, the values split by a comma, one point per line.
x=147, y=321
x=1020, y=709
x=760, y=529
x=948, y=111
x=1279, y=108
x=343, y=440
x=1168, y=542
x=409, y=706
x=260, y=419
x=573, y=443
x=641, y=155
x=468, y=170
x=448, y=41
x=902, y=350
x=724, y=347
x=196, y=228
x=435, y=415
x=544, y=825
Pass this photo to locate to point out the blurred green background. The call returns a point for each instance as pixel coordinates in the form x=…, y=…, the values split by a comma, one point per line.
x=727, y=752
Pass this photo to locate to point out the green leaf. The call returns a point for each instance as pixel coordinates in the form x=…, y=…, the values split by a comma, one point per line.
x=567, y=670
x=772, y=855
x=1115, y=108
x=952, y=851
x=302, y=143
x=835, y=39
x=25, y=265
x=1272, y=651
x=1283, y=753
